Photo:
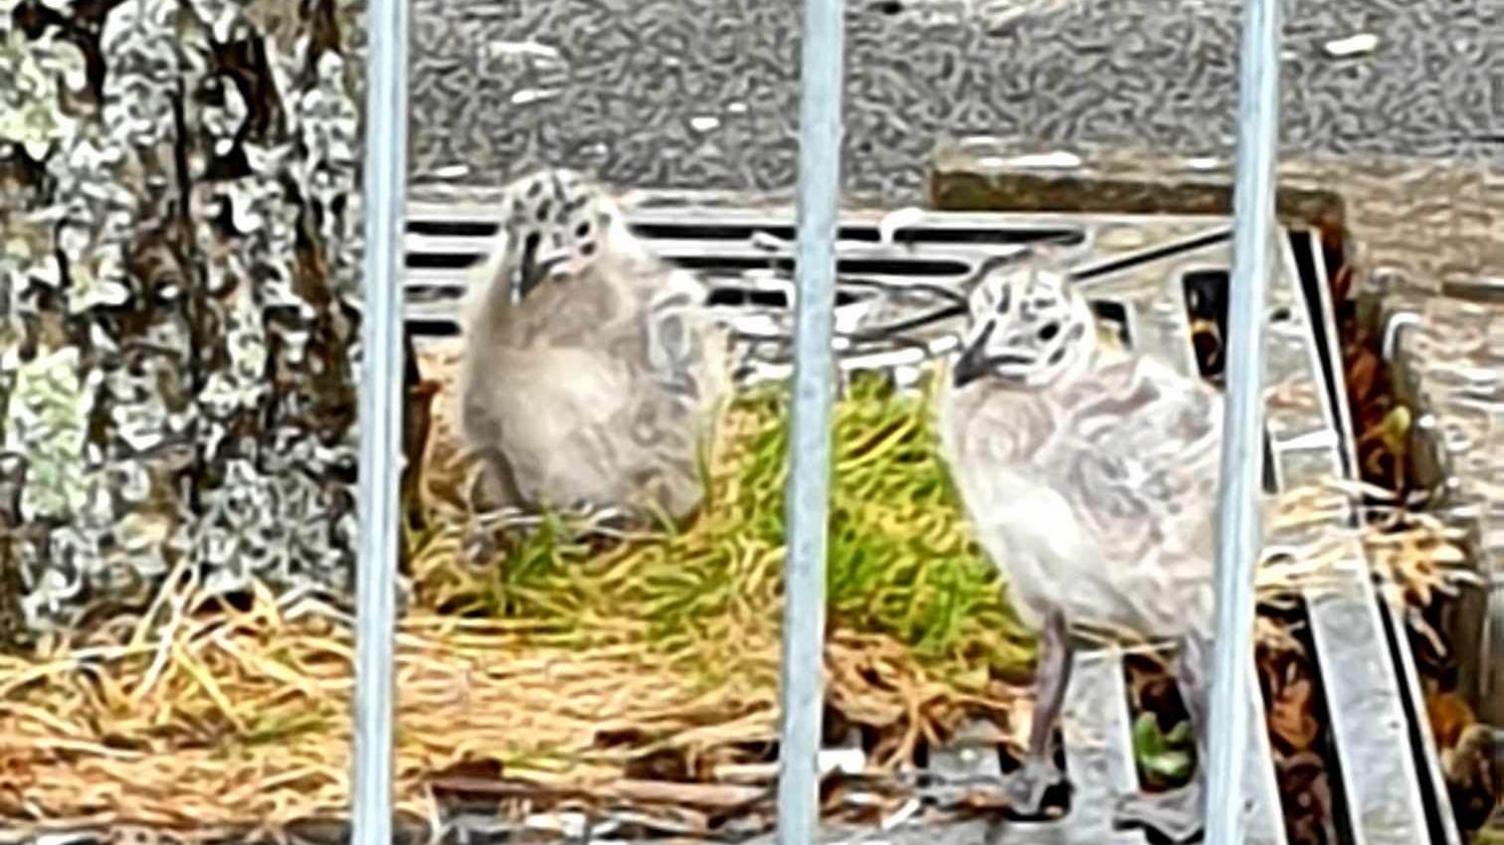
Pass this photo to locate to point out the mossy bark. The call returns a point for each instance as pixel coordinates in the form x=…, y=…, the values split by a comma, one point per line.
x=179, y=283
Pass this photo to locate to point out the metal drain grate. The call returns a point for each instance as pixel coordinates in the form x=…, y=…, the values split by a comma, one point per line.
x=901, y=300
x=1446, y=356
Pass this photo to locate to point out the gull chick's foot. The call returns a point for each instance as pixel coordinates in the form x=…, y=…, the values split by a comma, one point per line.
x=1177, y=814
x=1027, y=786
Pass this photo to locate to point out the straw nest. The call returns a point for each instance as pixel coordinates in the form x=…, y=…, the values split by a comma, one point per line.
x=576, y=660
x=583, y=665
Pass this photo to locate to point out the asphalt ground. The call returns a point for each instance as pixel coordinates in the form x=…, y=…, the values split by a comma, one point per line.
x=704, y=93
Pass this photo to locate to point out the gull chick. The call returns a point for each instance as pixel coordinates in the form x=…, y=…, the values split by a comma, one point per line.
x=591, y=376
x=1090, y=476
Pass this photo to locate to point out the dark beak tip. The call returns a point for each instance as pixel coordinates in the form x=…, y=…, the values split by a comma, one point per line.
x=538, y=270
x=967, y=369
x=972, y=363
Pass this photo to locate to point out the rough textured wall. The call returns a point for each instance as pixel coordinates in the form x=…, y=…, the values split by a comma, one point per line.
x=180, y=221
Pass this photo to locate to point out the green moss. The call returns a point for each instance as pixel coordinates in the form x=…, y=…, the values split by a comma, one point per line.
x=902, y=562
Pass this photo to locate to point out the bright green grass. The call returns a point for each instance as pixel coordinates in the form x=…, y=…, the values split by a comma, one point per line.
x=902, y=562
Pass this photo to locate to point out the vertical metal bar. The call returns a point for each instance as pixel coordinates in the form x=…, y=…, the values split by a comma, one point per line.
x=380, y=421
x=1243, y=431
x=807, y=505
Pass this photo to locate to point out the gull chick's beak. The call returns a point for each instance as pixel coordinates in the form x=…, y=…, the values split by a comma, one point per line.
x=537, y=266
x=973, y=361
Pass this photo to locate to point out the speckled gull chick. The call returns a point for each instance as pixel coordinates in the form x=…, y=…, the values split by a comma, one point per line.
x=591, y=377
x=1090, y=475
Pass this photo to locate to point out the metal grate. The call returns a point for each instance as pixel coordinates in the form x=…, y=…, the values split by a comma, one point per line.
x=1446, y=357
x=901, y=300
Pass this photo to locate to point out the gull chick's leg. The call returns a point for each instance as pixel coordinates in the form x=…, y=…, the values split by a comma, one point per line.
x=493, y=488
x=1026, y=787
x=491, y=492
x=1181, y=813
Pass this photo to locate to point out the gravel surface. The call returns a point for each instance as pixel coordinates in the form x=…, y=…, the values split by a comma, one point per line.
x=704, y=93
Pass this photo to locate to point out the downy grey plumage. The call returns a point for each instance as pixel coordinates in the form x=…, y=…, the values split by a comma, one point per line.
x=592, y=377
x=1090, y=475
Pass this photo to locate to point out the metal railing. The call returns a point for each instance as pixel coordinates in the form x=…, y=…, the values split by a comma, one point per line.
x=1238, y=526
x=808, y=500
x=820, y=135
x=380, y=422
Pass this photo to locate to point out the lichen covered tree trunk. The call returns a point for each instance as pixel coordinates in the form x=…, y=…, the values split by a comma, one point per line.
x=179, y=283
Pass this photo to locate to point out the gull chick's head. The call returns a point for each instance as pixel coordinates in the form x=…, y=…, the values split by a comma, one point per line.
x=1029, y=327
x=553, y=224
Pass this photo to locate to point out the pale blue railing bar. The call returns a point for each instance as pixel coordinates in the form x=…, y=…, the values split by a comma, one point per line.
x=808, y=502
x=1239, y=524
x=380, y=421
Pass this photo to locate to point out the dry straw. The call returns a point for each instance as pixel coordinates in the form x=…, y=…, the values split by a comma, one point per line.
x=574, y=661
x=587, y=666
